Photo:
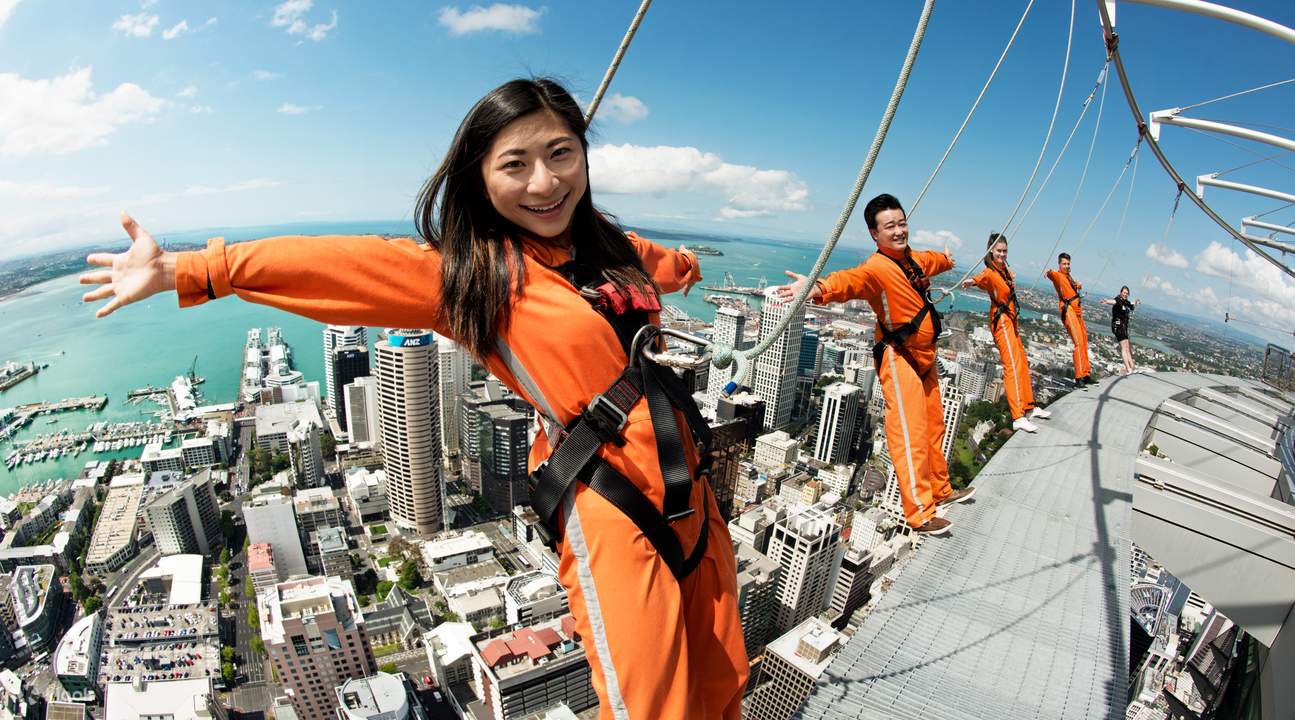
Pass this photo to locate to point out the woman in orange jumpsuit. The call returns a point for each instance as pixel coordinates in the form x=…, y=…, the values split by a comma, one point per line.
x=895, y=281
x=1072, y=316
x=510, y=226
x=1004, y=311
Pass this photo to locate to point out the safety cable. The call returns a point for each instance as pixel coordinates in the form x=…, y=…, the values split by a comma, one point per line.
x=723, y=355
x=1279, y=208
x=1237, y=94
x=1079, y=188
x=1092, y=223
x=1264, y=158
x=1119, y=229
x=912, y=209
x=616, y=61
x=1065, y=68
x=944, y=292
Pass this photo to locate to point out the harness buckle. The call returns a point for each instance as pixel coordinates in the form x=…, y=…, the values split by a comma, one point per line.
x=680, y=515
x=606, y=419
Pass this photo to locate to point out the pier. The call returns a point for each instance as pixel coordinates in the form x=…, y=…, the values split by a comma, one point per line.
x=12, y=373
x=91, y=402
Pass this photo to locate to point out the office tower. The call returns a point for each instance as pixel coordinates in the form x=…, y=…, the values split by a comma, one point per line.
x=745, y=405
x=271, y=520
x=851, y=589
x=186, y=519
x=456, y=373
x=379, y=697
x=793, y=664
x=757, y=589
x=293, y=428
x=361, y=399
x=836, y=423
x=807, y=363
x=260, y=567
x=505, y=446
x=728, y=443
x=971, y=381
x=775, y=370
x=314, y=634
x=408, y=373
x=951, y=397
x=347, y=364
x=523, y=673
x=775, y=450
x=727, y=330
x=476, y=440
x=804, y=545
x=338, y=336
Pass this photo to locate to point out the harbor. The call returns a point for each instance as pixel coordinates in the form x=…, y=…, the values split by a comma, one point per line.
x=13, y=420
x=12, y=373
x=100, y=437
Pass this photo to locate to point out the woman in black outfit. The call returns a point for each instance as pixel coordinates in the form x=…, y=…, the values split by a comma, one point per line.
x=1121, y=308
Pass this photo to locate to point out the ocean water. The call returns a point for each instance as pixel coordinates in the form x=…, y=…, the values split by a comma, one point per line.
x=152, y=342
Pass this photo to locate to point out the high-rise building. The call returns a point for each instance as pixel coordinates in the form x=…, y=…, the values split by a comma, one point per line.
x=951, y=397
x=851, y=589
x=476, y=440
x=314, y=634
x=971, y=380
x=775, y=370
x=775, y=450
x=337, y=336
x=361, y=398
x=793, y=664
x=757, y=589
x=727, y=330
x=456, y=373
x=728, y=443
x=271, y=520
x=408, y=373
x=378, y=697
x=505, y=446
x=804, y=545
x=525, y=672
x=260, y=567
x=348, y=363
x=836, y=424
x=293, y=428
x=747, y=406
x=807, y=363
x=186, y=519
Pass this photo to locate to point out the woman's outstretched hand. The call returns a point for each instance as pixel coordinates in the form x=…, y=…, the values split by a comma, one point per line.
x=142, y=271
x=788, y=292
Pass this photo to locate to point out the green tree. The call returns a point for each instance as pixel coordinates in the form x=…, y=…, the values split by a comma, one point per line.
x=227, y=672
x=227, y=654
x=389, y=668
x=253, y=618
x=279, y=462
x=91, y=604
x=76, y=585
x=409, y=576
x=249, y=590
x=258, y=645
x=384, y=587
x=224, y=556
x=224, y=596
x=450, y=617
x=328, y=446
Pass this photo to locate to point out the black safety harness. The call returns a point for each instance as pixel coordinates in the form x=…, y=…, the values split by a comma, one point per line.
x=897, y=336
x=1065, y=302
x=603, y=421
x=1010, y=308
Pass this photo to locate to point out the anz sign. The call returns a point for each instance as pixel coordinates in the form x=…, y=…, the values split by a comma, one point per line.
x=410, y=340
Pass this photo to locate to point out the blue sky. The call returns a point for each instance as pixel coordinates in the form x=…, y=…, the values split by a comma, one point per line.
x=729, y=117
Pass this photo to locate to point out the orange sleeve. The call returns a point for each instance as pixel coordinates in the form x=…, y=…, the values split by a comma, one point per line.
x=672, y=269
x=933, y=262
x=849, y=284
x=339, y=279
x=984, y=281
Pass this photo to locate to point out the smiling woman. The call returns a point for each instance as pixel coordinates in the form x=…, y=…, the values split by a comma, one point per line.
x=550, y=296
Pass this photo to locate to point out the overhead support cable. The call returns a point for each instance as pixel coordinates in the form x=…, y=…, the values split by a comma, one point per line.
x=722, y=356
x=1171, y=117
x=912, y=209
x=1113, y=48
x=1245, y=148
x=1252, y=222
x=1212, y=180
x=1229, y=96
x=616, y=60
x=1119, y=229
x=1279, y=208
x=1219, y=12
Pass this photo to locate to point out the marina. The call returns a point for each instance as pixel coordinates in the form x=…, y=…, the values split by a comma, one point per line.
x=12, y=373
x=100, y=437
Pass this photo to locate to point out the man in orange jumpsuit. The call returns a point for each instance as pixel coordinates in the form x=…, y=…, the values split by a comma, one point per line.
x=1072, y=316
x=895, y=281
x=1004, y=312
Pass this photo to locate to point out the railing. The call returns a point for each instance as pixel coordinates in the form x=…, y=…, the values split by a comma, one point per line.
x=1279, y=368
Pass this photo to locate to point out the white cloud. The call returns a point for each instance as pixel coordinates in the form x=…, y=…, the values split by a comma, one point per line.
x=291, y=14
x=176, y=30
x=623, y=108
x=1166, y=256
x=747, y=191
x=265, y=75
x=500, y=17
x=210, y=21
x=64, y=115
x=1155, y=282
x=937, y=239
x=200, y=109
x=290, y=109
x=139, y=25
x=46, y=191
x=188, y=92
x=1251, y=272
x=146, y=4
x=253, y=184
x=6, y=9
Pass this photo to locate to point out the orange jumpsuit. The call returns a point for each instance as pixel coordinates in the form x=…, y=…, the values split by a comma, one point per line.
x=1001, y=287
x=1072, y=317
x=908, y=376
x=658, y=647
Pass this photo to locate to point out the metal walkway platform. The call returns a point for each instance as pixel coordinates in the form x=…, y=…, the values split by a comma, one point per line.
x=1022, y=612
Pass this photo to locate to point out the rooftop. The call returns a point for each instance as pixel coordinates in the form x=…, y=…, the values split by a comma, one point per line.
x=1033, y=583
x=525, y=649
x=280, y=418
x=305, y=598
x=116, y=527
x=437, y=551
x=378, y=697
x=182, y=700
x=185, y=575
x=808, y=646
x=260, y=557
x=75, y=651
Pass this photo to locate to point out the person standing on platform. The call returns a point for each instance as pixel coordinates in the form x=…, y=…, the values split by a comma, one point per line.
x=1004, y=313
x=1072, y=316
x=1121, y=309
x=895, y=280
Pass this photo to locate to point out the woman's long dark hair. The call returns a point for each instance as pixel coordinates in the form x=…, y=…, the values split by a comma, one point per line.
x=481, y=253
x=994, y=239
